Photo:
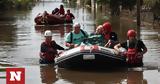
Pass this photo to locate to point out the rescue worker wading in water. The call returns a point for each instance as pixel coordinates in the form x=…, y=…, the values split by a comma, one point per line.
x=135, y=49
x=49, y=49
x=69, y=16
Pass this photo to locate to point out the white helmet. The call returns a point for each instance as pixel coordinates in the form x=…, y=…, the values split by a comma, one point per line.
x=76, y=25
x=47, y=33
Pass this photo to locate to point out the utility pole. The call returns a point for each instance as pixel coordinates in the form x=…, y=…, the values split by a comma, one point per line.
x=138, y=18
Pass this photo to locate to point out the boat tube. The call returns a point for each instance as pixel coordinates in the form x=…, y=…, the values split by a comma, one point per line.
x=90, y=56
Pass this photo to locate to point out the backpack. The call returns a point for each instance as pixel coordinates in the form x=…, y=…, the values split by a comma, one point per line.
x=71, y=37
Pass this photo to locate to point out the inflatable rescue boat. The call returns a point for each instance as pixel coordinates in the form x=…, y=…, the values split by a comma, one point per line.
x=90, y=57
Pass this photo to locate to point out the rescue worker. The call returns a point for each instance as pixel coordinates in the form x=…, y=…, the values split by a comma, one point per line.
x=75, y=37
x=109, y=36
x=135, y=49
x=69, y=16
x=61, y=10
x=49, y=49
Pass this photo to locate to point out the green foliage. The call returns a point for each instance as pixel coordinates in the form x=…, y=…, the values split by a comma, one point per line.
x=7, y=4
x=154, y=5
x=128, y=4
x=103, y=1
x=2, y=70
x=88, y=2
x=150, y=3
x=156, y=8
x=101, y=20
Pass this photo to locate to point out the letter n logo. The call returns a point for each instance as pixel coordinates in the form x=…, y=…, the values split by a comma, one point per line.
x=15, y=75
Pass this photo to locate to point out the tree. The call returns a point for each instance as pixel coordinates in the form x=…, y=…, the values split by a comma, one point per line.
x=7, y=4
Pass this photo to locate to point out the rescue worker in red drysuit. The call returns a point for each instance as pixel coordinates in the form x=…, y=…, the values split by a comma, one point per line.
x=49, y=49
x=135, y=49
x=61, y=10
x=69, y=16
x=109, y=36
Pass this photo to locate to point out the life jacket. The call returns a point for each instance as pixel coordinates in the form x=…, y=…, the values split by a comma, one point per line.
x=132, y=55
x=61, y=11
x=51, y=52
x=68, y=17
x=107, y=36
x=111, y=36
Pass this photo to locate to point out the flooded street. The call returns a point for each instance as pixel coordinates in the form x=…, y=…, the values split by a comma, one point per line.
x=20, y=45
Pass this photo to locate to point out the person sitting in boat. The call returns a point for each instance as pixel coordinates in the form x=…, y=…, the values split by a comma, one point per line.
x=69, y=16
x=75, y=37
x=109, y=36
x=96, y=38
x=49, y=49
x=41, y=18
x=61, y=10
x=55, y=11
x=99, y=30
x=45, y=13
x=135, y=49
x=38, y=19
x=44, y=19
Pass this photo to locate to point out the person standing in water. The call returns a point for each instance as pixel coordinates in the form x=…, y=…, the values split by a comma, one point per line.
x=135, y=49
x=69, y=16
x=49, y=49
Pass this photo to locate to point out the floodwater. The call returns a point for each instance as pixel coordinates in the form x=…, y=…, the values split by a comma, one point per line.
x=20, y=44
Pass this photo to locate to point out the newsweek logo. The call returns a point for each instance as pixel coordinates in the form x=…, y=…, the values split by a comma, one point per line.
x=15, y=75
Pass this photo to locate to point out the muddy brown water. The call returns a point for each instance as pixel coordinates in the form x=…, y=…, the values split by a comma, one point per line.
x=20, y=44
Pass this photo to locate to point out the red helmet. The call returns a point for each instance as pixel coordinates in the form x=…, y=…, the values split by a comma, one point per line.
x=107, y=27
x=131, y=33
